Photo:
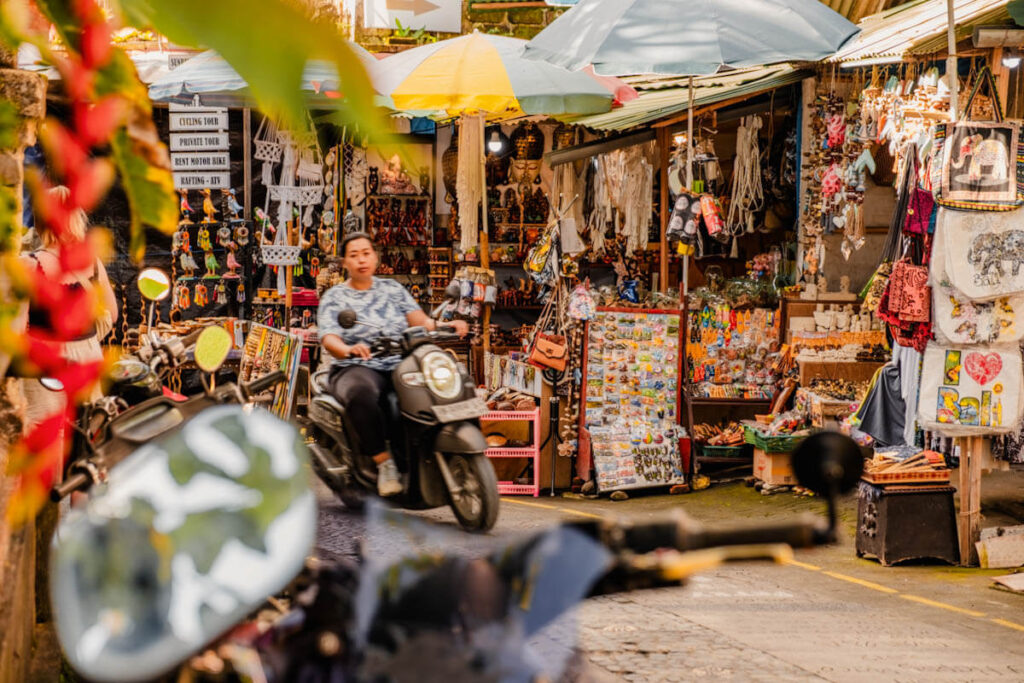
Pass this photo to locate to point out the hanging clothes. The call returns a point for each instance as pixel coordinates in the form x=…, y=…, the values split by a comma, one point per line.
x=883, y=412
x=908, y=360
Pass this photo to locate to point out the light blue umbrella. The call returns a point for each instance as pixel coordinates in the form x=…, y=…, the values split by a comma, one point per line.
x=216, y=83
x=689, y=37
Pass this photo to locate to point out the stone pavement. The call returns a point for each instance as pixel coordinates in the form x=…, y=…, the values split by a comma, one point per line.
x=828, y=616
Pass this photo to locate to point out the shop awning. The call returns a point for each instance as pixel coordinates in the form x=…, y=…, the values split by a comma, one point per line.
x=917, y=28
x=664, y=98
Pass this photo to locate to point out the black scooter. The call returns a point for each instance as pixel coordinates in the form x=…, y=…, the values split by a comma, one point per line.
x=436, y=441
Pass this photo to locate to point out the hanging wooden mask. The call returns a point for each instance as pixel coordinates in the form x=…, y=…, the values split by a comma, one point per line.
x=527, y=151
x=450, y=167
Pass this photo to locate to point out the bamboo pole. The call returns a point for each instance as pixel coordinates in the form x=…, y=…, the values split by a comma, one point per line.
x=663, y=151
x=951, y=67
x=485, y=250
x=969, y=519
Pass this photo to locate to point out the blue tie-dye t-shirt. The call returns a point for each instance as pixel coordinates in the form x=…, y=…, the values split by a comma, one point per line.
x=384, y=304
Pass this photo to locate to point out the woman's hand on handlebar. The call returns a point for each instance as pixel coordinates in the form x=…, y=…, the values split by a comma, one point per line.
x=358, y=351
x=461, y=327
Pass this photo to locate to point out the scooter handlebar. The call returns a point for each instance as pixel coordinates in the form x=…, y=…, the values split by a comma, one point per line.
x=260, y=385
x=685, y=535
x=75, y=482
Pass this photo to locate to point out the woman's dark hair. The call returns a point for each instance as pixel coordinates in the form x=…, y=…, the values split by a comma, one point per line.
x=352, y=237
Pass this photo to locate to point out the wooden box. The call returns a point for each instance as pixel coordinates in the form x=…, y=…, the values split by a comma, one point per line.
x=773, y=468
x=857, y=371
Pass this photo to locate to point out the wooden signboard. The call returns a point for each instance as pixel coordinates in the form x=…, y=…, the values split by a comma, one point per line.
x=217, y=120
x=190, y=142
x=199, y=180
x=201, y=161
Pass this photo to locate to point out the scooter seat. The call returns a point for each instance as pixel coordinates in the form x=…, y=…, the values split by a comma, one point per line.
x=319, y=380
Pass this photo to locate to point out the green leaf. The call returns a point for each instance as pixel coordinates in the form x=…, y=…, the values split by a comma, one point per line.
x=268, y=42
x=147, y=182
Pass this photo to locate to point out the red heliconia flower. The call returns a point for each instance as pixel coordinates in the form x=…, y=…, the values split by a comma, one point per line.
x=51, y=209
x=89, y=183
x=78, y=79
x=45, y=355
x=63, y=150
x=77, y=257
x=79, y=378
x=45, y=433
x=95, y=45
x=76, y=315
x=95, y=123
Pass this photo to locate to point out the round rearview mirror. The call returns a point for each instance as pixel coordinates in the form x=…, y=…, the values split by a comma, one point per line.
x=52, y=383
x=212, y=348
x=828, y=463
x=154, y=284
x=347, y=318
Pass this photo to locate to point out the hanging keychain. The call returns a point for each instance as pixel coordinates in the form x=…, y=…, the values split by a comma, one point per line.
x=184, y=297
x=222, y=293
x=314, y=266
x=240, y=293
x=202, y=297
x=203, y=240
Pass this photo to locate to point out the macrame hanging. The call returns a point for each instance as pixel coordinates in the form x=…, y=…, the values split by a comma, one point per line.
x=267, y=149
x=747, y=190
x=469, y=184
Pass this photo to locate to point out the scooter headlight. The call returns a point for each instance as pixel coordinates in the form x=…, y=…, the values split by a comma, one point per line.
x=442, y=374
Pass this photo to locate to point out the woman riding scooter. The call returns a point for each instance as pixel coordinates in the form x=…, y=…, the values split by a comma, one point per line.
x=358, y=381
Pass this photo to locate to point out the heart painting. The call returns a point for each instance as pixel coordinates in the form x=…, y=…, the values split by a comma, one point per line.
x=983, y=367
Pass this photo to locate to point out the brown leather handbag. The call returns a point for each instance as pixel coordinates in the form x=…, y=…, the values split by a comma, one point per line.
x=550, y=350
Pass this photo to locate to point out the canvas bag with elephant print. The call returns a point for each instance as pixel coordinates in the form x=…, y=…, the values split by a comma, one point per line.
x=984, y=252
x=960, y=320
x=970, y=390
x=979, y=165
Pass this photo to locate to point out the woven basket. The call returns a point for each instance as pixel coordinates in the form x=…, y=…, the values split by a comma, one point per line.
x=280, y=254
x=299, y=195
x=267, y=151
x=772, y=444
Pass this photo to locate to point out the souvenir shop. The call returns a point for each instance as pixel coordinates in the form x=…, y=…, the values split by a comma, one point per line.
x=944, y=286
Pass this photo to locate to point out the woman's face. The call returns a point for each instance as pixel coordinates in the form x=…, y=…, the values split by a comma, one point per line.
x=360, y=258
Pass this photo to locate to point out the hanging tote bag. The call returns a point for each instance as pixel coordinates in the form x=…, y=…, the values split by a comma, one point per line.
x=976, y=165
x=879, y=281
x=984, y=252
x=550, y=348
x=960, y=320
x=970, y=390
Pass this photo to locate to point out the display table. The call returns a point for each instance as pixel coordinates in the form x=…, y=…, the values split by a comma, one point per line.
x=900, y=523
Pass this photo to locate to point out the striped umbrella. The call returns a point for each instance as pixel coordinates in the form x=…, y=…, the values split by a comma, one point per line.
x=487, y=73
x=210, y=77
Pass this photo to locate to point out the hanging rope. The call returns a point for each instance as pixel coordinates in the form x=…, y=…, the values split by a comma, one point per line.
x=747, y=191
x=469, y=183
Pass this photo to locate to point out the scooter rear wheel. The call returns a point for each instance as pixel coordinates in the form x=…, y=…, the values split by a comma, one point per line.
x=476, y=505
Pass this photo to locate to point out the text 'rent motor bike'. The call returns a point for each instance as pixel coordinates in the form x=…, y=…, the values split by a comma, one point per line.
x=200, y=527
x=435, y=441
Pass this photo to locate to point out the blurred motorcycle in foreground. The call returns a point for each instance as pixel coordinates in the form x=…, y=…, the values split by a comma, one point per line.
x=202, y=527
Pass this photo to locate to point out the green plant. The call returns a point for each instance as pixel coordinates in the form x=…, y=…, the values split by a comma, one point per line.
x=402, y=31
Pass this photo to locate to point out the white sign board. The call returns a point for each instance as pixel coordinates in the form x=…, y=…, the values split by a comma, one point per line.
x=432, y=15
x=188, y=142
x=199, y=120
x=199, y=180
x=177, y=106
x=201, y=161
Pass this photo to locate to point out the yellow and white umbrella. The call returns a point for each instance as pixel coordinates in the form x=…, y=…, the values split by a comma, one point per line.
x=488, y=74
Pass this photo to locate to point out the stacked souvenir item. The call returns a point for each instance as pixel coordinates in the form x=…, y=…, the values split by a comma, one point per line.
x=631, y=396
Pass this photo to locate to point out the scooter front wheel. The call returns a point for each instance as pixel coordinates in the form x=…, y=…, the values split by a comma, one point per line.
x=475, y=502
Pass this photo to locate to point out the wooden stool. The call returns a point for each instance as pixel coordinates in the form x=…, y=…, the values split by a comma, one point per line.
x=897, y=524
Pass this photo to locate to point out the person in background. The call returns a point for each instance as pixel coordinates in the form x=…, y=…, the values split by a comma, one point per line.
x=40, y=401
x=358, y=381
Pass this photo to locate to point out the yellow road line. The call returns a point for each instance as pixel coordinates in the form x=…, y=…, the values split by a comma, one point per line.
x=802, y=565
x=861, y=582
x=1008, y=624
x=941, y=605
x=571, y=511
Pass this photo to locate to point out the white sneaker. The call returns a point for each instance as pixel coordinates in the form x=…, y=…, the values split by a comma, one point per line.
x=389, y=481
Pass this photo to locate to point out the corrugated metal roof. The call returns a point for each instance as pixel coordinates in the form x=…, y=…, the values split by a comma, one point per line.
x=918, y=28
x=663, y=98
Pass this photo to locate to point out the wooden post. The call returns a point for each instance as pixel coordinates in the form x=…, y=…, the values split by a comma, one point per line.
x=663, y=155
x=288, y=274
x=1002, y=77
x=485, y=249
x=247, y=161
x=968, y=521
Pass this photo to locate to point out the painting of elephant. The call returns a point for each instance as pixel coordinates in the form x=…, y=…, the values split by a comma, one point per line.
x=1013, y=249
x=990, y=153
x=986, y=254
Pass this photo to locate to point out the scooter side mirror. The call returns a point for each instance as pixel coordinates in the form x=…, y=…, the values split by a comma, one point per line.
x=52, y=383
x=828, y=463
x=212, y=348
x=347, y=318
x=154, y=285
x=191, y=533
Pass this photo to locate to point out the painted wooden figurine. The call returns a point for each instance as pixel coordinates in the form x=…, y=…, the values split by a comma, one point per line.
x=233, y=206
x=184, y=208
x=209, y=211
